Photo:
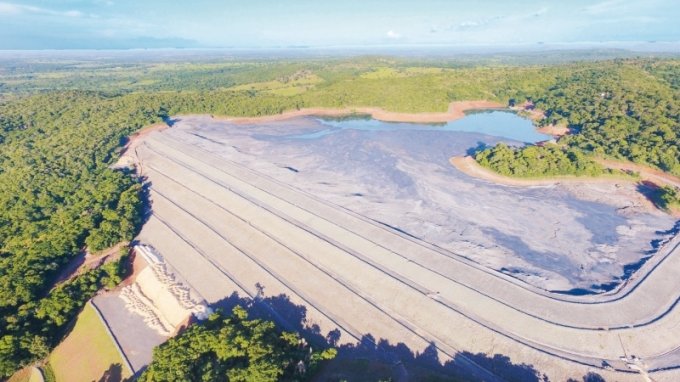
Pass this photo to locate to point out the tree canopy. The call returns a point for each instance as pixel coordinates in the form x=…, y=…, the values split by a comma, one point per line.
x=624, y=110
x=234, y=349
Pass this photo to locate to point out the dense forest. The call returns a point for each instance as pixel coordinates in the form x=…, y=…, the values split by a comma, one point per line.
x=60, y=195
x=537, y=161
x=618, y=110
x=234, y=348
x=624, y=110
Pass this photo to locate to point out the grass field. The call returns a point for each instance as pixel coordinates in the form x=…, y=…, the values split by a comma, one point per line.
x=294, y=85
x=88, y=353
x=27, y=374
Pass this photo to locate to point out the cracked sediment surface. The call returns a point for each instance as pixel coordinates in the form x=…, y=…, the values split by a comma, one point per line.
x=376, y=233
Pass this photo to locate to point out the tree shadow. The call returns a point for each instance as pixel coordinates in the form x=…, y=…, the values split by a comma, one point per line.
x=113, y=374
x=590, y=377
x=168, y=120
x=69, y=270
x=499, y=365
x=146, y=210
x=145, y=213
x=372, y=359
x=652, y=192
x=474, y=150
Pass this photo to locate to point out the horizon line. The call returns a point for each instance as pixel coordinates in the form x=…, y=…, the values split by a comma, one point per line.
x=617, y=44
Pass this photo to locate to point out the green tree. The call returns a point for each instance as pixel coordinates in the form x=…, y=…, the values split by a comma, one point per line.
x=234, y=349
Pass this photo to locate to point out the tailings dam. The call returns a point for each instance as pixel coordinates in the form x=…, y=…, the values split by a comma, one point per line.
x=368, y=225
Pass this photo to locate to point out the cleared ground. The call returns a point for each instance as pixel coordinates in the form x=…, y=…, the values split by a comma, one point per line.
x=229, y=213
x=88, y=353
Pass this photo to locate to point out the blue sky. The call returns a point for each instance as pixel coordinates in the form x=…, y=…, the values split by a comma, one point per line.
x=110, y=24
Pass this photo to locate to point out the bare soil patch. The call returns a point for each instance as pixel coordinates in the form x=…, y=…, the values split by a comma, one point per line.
x=645, y=172
x=554, y=130
x=86, y=261
x=127, y=157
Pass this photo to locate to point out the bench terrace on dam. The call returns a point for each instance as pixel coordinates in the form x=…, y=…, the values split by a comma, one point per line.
x=368, y=226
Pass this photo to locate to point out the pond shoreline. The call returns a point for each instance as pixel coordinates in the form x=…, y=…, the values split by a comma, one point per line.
x=456, y=110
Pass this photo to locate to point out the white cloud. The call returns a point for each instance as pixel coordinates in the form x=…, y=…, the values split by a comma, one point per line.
x=393, y=35
x=15, y=9
x=72, y=13
x=603, y=7
x=9, y=9
x=468, y=24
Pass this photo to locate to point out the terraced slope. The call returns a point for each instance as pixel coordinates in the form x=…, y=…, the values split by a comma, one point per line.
x=226, y=227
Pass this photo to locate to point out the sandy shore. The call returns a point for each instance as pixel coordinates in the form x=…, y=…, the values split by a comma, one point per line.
x=554, y=130
x=536, y=115
x=456, y=110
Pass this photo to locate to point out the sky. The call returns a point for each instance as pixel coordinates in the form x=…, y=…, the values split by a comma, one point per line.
x=125, y=24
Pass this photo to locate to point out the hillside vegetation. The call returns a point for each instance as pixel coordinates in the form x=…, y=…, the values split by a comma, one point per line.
x=624, y=110
x=60, y=197
x=537, y=161
x=234, y=348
